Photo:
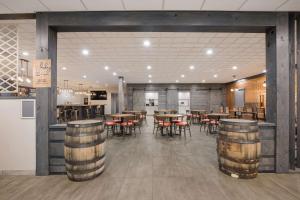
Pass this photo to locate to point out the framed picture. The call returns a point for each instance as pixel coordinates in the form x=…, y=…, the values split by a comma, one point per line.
x=27, y=108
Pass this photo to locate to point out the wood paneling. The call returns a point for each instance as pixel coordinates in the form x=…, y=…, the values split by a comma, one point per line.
x=254, y=90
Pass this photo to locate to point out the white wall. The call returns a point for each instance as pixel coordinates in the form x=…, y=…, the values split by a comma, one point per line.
x=17, y=139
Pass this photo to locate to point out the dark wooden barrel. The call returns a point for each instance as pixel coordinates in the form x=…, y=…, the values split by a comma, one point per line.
x=84, y=149
x=238, y=148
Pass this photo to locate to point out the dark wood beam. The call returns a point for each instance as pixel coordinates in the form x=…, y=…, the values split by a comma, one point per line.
x=174, y=21
x=17, y=16
x=298, y=91
x=46, y=47
x=283, y=93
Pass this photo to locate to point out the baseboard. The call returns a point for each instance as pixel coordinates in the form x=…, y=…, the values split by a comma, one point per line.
x=17, y=172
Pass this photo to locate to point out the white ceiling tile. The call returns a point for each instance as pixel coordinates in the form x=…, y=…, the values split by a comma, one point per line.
x=222, y=5
x=27, y=6
x=4, y=9
x=143, y=5
x=64, y=5
x=259, y=5
x=183, y=5
x=291, y=5
x=103, y=4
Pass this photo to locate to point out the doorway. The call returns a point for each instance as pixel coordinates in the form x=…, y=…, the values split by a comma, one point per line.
x=183, y=102
x=151, y=102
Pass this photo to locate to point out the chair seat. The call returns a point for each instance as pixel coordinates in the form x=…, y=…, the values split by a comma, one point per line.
x=110, y=123
x=117, y=121
x=182, y=124
x=214, y=122
x=195, y=116
x=135, y=121
x=166, y=124
x=127, y=124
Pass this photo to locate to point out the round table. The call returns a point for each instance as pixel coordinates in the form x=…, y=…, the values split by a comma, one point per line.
x=170, y=117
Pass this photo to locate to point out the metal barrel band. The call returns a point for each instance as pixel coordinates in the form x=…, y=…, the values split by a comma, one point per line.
x=91, y=144
x=85, y=171
x=72, y=162
x=225, y=139
x=84, y=179
x=238, y=129
x=239, y=170
x=80, y=134
x=240, y=161
x=92, y=124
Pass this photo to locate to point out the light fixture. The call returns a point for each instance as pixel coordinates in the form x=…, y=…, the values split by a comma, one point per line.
x=182, y=75
x=20, y=79
x=242, y=80
x=114, y=74
x=147, y=43
x=264, y=71
x=264, y=84
x=209, y=52
x=150, y=81
x=64, y=68
x=124, y=81
x=203, y=81
x=84, y=76
x=28, y=80
x=215, y=75
x=177, y=81
x=106, y=68
x=236, y=89
x=192, y=67
x=234, y=67
x=149, y=67
x=23, y=69
x=149, y=76
x=25, y=53
x=85, y=52
x=232, y=90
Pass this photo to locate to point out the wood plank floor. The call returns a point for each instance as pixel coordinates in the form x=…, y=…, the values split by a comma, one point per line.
x=159, y=168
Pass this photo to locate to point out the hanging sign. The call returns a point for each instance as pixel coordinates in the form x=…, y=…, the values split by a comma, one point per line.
x=41, y=70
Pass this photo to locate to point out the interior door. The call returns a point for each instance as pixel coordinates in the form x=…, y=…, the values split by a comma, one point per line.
x=239, y=98
x=183, y=102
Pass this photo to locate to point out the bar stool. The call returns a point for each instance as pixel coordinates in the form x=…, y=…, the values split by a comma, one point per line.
x=88, y=113
x=74, y=114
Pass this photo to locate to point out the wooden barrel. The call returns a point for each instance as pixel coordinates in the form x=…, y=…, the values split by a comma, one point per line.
x=84, y=149
x=238, y=148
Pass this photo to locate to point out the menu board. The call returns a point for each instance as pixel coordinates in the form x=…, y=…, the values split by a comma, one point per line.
x=41, y=70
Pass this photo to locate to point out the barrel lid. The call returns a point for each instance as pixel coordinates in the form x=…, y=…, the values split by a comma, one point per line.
x=238, y=121
x=84, y=123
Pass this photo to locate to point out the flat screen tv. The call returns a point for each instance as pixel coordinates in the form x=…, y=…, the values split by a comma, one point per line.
x=98, y=95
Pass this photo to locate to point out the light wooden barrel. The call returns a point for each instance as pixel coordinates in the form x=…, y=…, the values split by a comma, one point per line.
x=84, y=149
x=239, y=148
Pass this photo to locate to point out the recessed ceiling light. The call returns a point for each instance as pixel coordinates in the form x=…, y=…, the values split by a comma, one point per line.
x=150, y=81
x=149, y=67
x=106, y=68
x=149, y=76
x=114, y=73
x=264, y=71
x=124, y=81
x=84, y=76
x=209, y=52
x=182, y=75
x=85, y=52
x=22, y=69
x=25, y=53
x=215, y=75
x=192, y=67
x=203, y=81
x=147, y=43
x=64, y=68
x=177, y=81
x=234, y=67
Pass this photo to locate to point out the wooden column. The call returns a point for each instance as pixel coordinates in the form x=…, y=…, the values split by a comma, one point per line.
x=298, y=90
x=121, y=94
x=283, y=81
x=292, y=91
x=46, y=47
x=271, y=90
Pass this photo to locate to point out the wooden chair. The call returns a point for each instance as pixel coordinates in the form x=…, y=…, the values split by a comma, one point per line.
x=137, y=122
x=128, y=125
x=204, y=122
x=163, y=124
x=183, y=125
x=195, y=117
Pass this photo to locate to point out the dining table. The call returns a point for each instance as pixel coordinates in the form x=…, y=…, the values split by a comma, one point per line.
x=170, y=117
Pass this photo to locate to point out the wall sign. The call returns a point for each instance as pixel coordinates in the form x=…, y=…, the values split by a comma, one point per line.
x=41, y=70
